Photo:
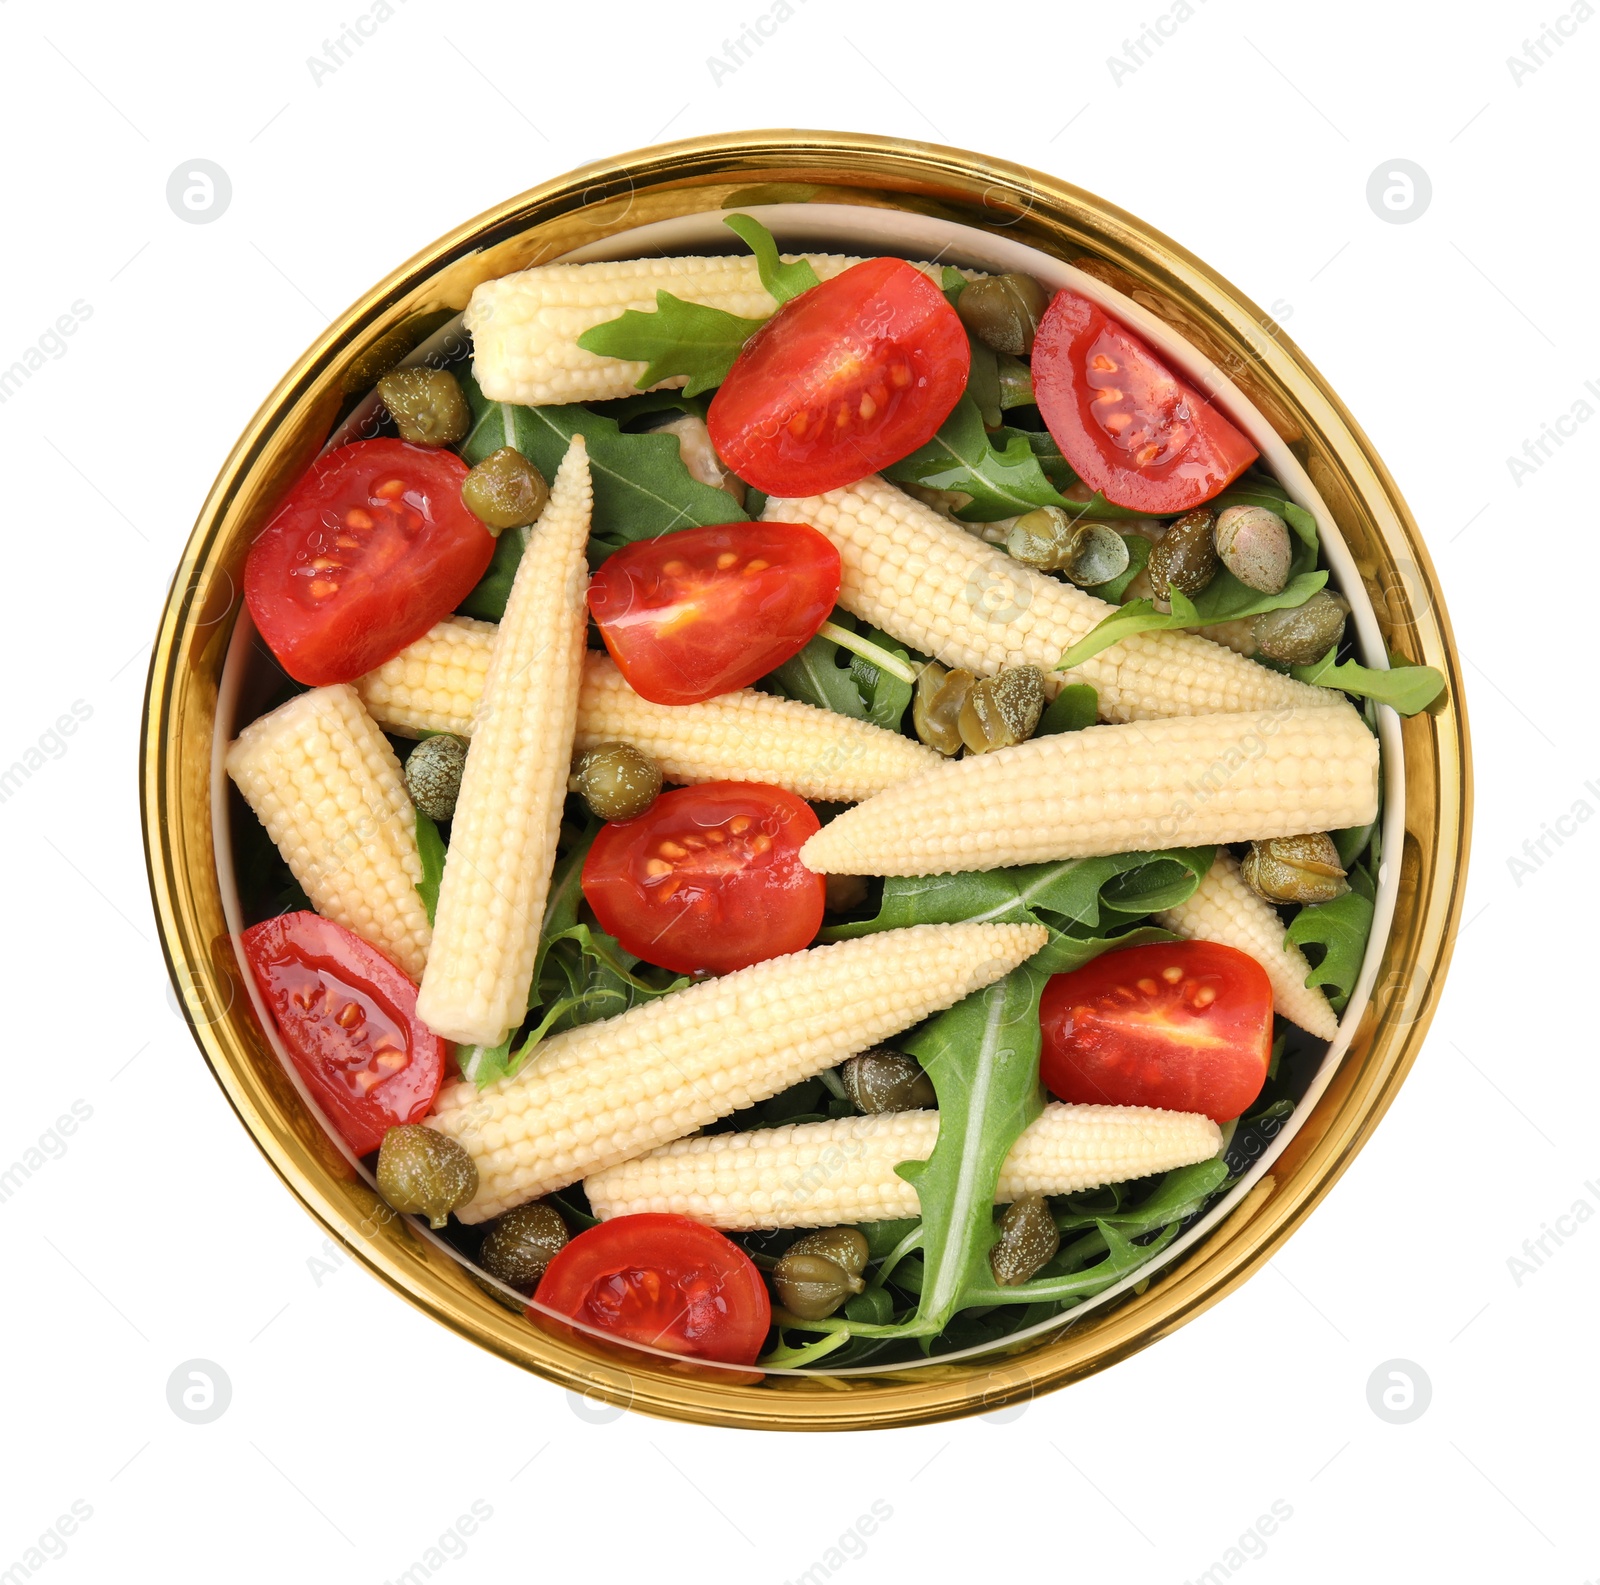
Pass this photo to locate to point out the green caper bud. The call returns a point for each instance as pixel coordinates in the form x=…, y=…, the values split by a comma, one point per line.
x=520, y=1244
x=883, y=1080
x=1028, y=1240
x=1001, y=710
x=1003, y=311
x=426, y=405
x=1039, y=538
x=505, y=491
x=1302, y=635
x=1184, y=558
x=1253, y=544
x=1303, y=869
x=843, y=894
x=433, y=774
x=936, y=709
x=616, y=781
x=1050, y=539
x=425, y=1173
x=846, y=1247
x=812, y=1286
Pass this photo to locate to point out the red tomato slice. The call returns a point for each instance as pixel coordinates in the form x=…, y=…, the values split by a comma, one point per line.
x=1127, y=424
x=349, y=1018
x=664, y=1281
x=709, y=878
x=371, y=547
x=707, y=610
x=1183, y=1025
x=843, y=380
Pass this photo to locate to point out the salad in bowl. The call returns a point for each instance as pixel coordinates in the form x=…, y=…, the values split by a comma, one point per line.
x=813, y=812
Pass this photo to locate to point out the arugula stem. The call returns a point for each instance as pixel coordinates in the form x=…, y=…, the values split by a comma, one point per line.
x=867, y=650
x=911, y=1241
x=792, y=1358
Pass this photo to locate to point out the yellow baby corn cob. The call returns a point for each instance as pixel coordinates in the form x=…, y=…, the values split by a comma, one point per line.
x=821, y=1174
x=939, y=589
x=324, y=782
x=434, y=685
x=609, y=1091
x=503, y=837
x=1225, y=910
x=525, y=327
x=1115, y=789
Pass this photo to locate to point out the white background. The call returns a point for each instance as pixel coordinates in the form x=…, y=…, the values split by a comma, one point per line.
x=358, y=1430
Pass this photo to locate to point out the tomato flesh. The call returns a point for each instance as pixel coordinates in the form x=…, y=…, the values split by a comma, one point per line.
x=708, y=610
x=348, y=1016
x=663, y=1281
x=1182, y=1025
x=1126, y=424
x=370, y=548
x=841, y=381
x=709, y=879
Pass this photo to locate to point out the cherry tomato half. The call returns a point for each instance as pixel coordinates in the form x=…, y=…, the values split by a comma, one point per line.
x=707, y=610
x=349, y=1018
x=370, y=548
x=1127, y=424
x=841, y=381
x=1182, y=1025
x=664, y=1281
x=709, y=878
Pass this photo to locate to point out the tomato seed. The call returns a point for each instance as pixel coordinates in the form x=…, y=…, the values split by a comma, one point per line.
x=868, y=407
x=351, y=1014
x=321, y=588
x=1205, y=996
x=739, y=825
x=798, y=425
x=900, y=374
x=656, y=868
x=390, y=489
x=674, y=569
x=356, y=518
x=727, y=559
x=671, y=850
x=1148, y=986
x=1172, y=975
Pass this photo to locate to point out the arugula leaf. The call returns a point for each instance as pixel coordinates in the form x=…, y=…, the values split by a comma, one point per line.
x=828, y=675
x=1059, y=472
x=627, y=410
x=430, y=849
x=1074, y=708
x=782, y=280
x=1181, y=1193
x=677, y=338
x=960, y=457
x=1091, y=893
x=951, y=282
x=1340, y=929
x=641, y=487
x=1409, y=689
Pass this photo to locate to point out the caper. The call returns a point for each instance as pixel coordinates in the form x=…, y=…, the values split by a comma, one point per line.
x=883, y=1080
x=1028, y=1240
x=1303, y=869
x=936, y=709
x=817, y=1273
x=1184, y=558
x=426, y=405
x=1303, y=634
x=1001, y=710
x=1253, y=544
x=1003, y=311
x=1049, y=538
x=423, y=1172
x=433, y=774
x=616, y=781
x=520, y=1244
x=505, y=491
x=843, y=894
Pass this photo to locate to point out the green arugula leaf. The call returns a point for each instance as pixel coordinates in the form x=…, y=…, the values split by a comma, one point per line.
x=1074, y=708
x=831, y=677
x=641, y=487
x=951, y=282
x=782, y=280
x=678, y=338
x=1086, y=893
x=1340, y=929
x=1409, y=689
x=1177, y=1197
x=627, y=410
x=1060, y=473
x=960, y=457
x=430, y=849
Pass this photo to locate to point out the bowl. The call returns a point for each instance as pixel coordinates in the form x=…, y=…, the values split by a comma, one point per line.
x=832, y=190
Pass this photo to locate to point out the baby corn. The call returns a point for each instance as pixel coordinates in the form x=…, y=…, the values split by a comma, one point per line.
x=1225, y=910
x=1183, y=781
x=525, y=327
x=820, y=1174
x=608, y=1091
x=435, y=684
x=324, y=782
x=939, y=589
x=503, y=837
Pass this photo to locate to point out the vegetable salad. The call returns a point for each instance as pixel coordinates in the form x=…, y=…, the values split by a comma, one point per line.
x=819, y=810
